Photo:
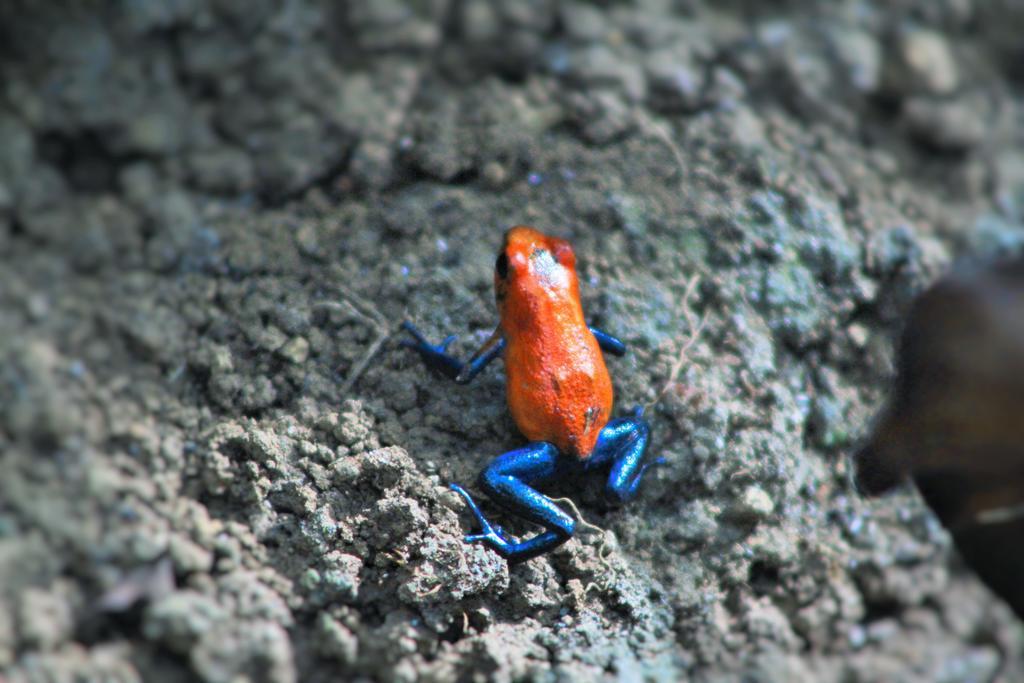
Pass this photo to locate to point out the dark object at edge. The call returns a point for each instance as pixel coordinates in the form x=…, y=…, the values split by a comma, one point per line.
x=955, y=422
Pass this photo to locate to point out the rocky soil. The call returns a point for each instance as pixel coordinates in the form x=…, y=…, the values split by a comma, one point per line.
x=217, y=464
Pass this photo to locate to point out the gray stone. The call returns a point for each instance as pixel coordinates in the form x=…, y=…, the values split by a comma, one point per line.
x=752, y=505
x=948, y=125
x=17, y=153
x=341, y=578
x=859, y=56
x=336, y=641
x=149, y=15
x=295, y=350
x=44, y=619
x=294, y=497
x=181, y=619
x=674, y=83
x=235, y=649
x=583, y=22
x=598, y=65
x=6, y=197
x=922, y=63
x=221, y=170
x=157, y=132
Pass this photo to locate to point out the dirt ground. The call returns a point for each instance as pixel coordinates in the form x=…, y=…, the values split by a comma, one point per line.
x=217, y=464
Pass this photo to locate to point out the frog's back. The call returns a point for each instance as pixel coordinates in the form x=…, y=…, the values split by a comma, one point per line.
x=558, y=388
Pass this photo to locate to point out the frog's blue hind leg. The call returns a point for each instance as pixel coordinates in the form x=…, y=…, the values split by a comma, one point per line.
x=507, y=481
x=623, y=442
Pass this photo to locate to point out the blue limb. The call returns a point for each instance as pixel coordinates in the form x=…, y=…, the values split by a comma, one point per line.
x=608, y=343
x=622, y=442
x=435, y=356
x=506, y=481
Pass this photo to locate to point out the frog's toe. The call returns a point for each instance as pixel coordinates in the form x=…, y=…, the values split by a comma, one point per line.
x=492, y=536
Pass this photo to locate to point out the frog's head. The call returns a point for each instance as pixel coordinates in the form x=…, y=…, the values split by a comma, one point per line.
x=531, y=266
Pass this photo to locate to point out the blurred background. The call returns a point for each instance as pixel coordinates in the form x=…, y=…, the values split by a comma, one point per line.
x=214, y=464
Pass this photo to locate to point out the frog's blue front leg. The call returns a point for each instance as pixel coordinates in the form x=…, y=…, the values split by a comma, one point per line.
x=507, y=481
x=435, y=355
x=623, y=442
x=608, y=343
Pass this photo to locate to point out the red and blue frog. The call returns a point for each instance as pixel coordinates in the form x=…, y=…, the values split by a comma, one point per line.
x=558, y=391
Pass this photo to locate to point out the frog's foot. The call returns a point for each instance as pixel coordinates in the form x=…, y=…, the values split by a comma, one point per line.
x=507, y=482
x=420, y=343
x=492, y=534
x=654, y=463
x=623, y=442
x=434, y=356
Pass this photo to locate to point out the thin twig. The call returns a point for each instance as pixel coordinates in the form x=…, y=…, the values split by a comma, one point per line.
x=430, y=592
x=662, y=134
x=360, y=304
x=369, y=313
x=364, y=362
x=584, y=524
x=658, y=131
x=695, y=327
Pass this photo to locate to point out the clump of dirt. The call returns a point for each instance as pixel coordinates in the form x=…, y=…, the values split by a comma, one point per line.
x=219, y=465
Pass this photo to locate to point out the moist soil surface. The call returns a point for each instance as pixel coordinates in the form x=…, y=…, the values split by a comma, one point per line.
x=217, y=463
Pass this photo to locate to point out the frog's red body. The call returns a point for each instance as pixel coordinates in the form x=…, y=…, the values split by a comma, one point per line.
x=558, y=386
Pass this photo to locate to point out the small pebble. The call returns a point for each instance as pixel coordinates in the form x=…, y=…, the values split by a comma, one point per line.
x=753, y=504
x=295, y=350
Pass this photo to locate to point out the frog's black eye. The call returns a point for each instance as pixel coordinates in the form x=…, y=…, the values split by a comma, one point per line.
x=501, y=265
